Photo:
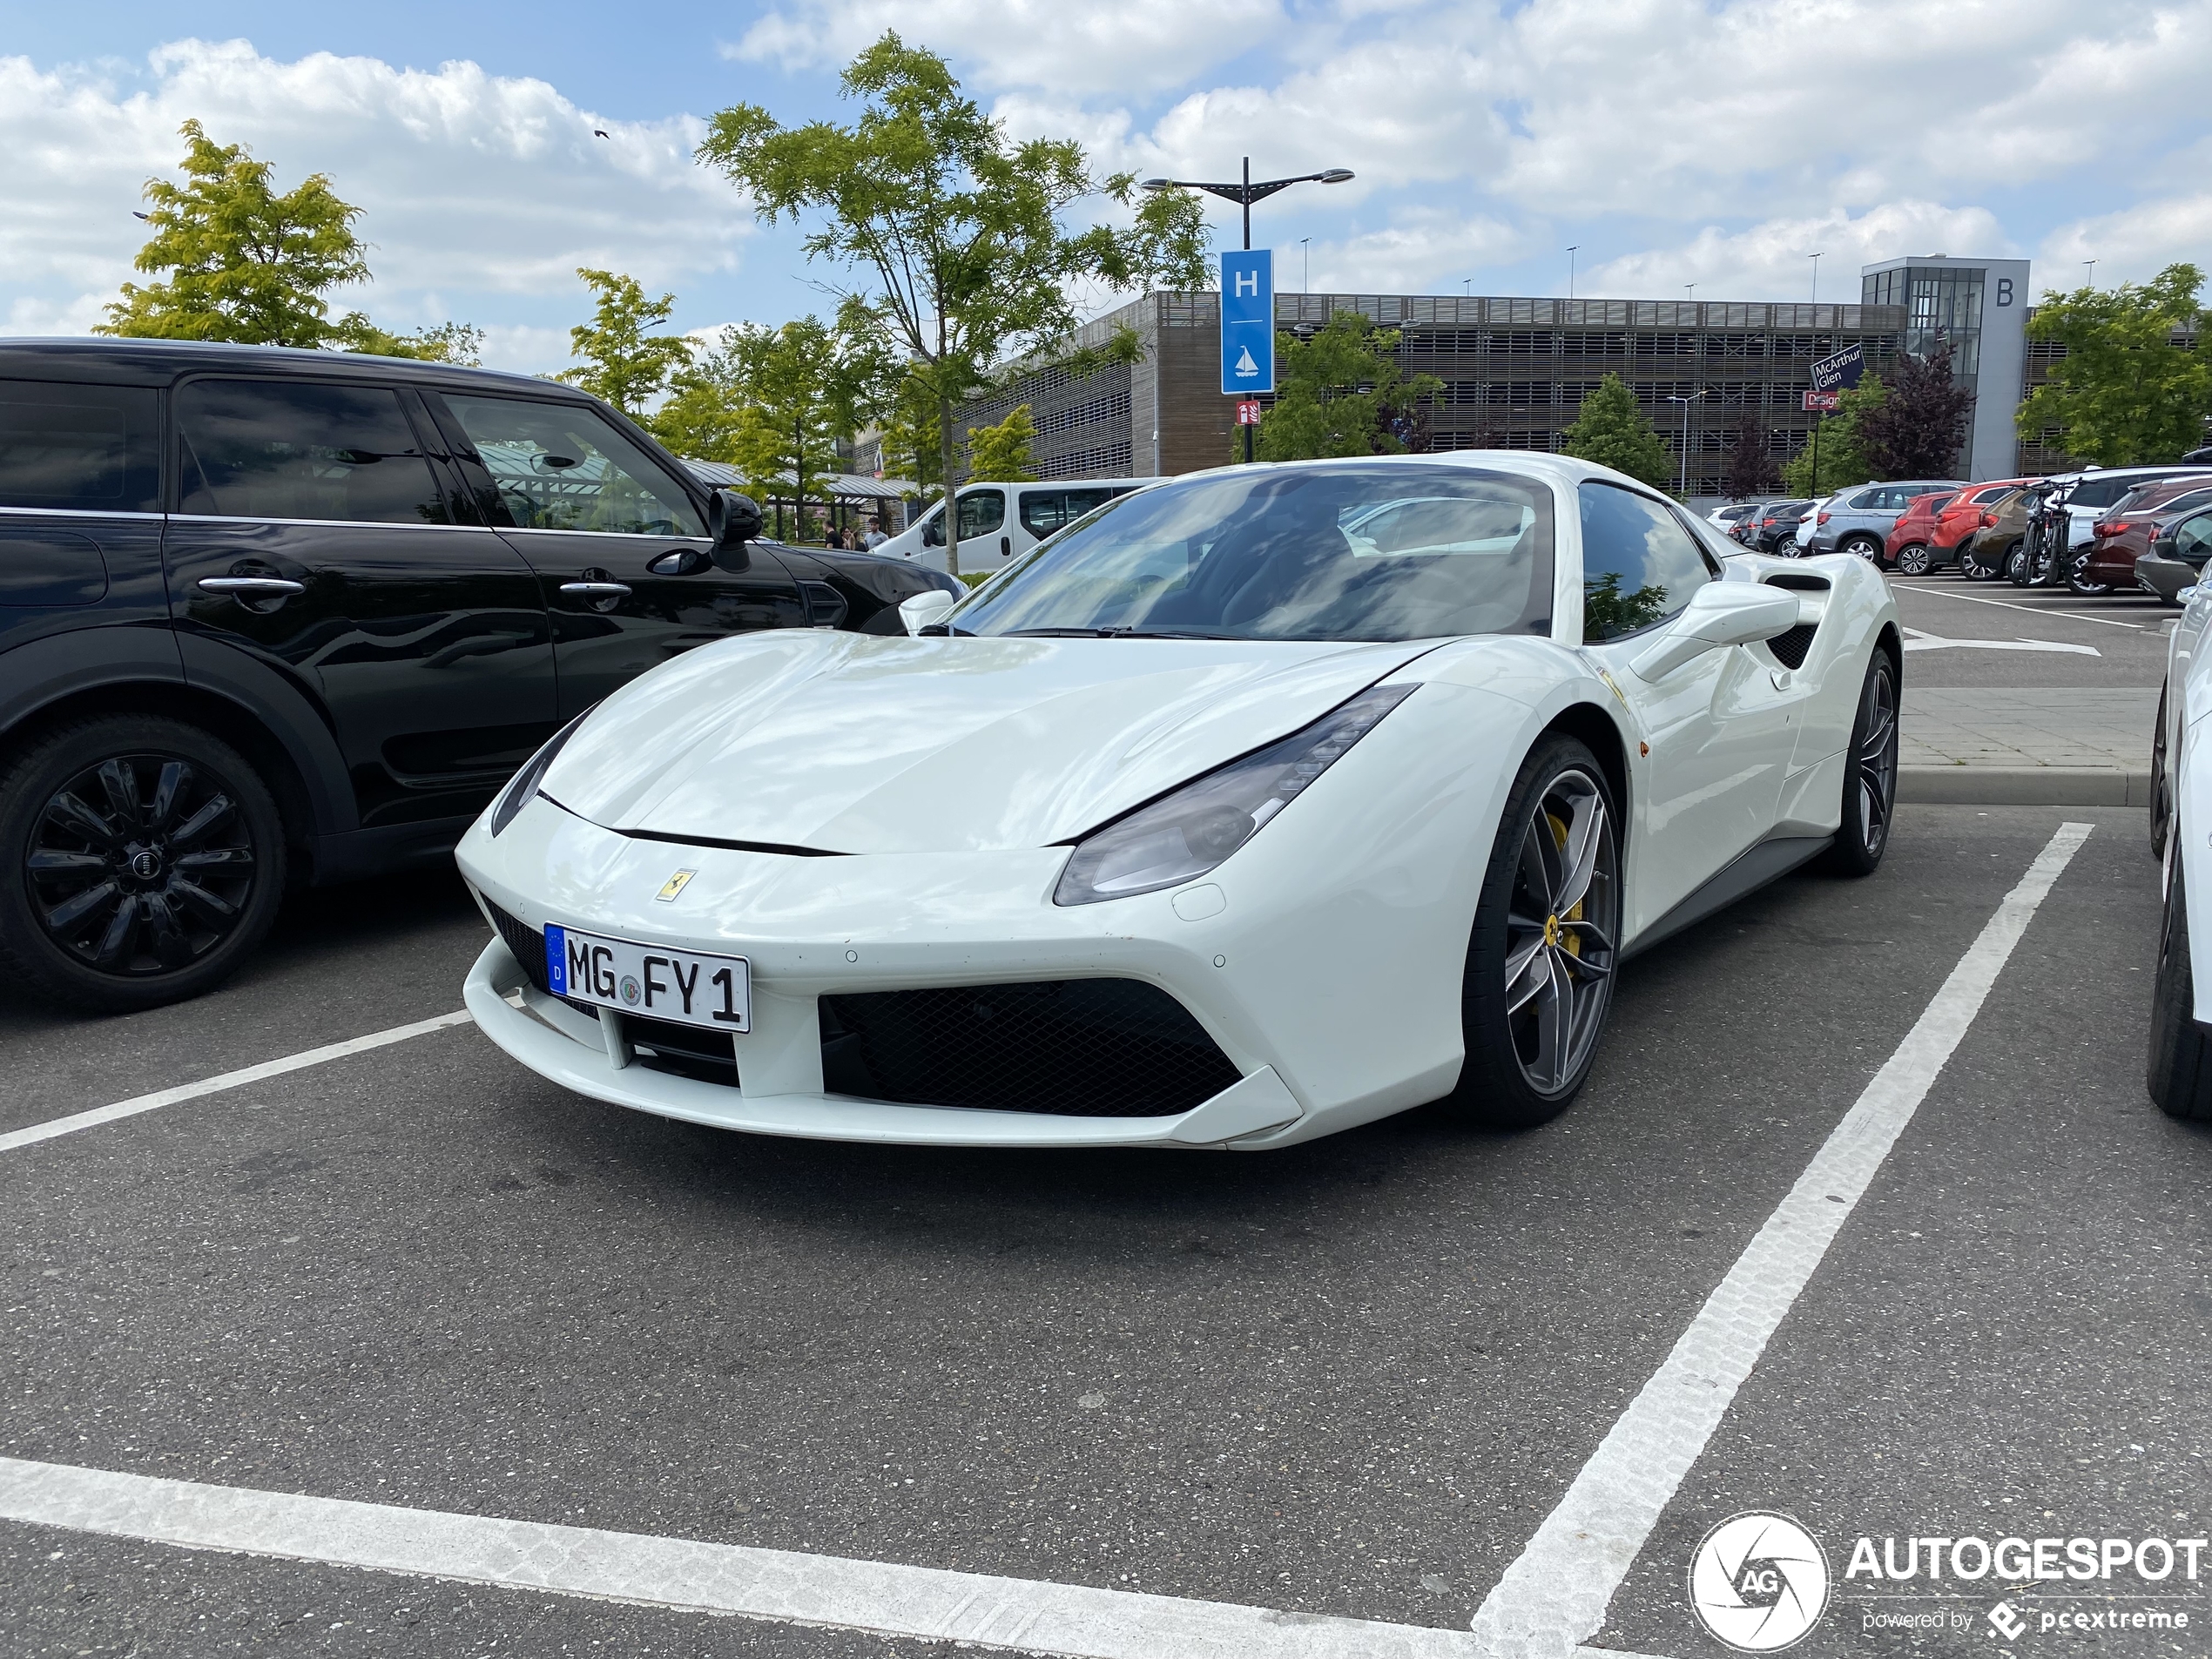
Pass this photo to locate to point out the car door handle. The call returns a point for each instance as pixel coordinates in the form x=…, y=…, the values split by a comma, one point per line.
x=251, y=587
x=596, y=590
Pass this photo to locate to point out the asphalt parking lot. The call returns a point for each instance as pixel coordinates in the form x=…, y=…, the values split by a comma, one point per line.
x=1352, y=1379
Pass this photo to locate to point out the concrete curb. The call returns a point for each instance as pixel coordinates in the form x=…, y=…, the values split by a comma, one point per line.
x=2023, y=786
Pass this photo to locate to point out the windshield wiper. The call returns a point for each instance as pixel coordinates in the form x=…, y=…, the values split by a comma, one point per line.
x=1104, y=633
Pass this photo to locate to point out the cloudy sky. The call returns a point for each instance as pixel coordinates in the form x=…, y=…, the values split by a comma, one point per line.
x=1714, y=142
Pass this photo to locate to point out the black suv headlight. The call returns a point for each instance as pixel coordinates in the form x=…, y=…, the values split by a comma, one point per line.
x=1191, y=829
x=524, y=783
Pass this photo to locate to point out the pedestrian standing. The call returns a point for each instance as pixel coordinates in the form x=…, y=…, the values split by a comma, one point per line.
x=875, y=537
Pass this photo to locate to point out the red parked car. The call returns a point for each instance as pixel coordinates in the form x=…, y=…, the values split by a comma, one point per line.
x=1971, y=512
x=1909, y=548
x=2124, y=534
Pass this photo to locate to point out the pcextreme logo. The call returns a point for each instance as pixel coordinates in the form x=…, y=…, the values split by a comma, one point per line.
x=1759, y=1582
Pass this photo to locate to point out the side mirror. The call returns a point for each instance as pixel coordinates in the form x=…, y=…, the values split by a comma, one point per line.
x=933, y=533
x=731, y=519
x=920, y=611
x=1720, y=614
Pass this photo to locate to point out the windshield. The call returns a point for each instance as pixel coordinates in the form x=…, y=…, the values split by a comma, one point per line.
x=1347, y=551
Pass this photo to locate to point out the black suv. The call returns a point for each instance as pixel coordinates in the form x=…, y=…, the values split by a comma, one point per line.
x=274, y=617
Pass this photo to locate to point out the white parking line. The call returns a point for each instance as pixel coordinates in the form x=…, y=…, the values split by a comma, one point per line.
x=784, y=1586
x=2032, y=610
x=1555, y=1594
x=138, y=1103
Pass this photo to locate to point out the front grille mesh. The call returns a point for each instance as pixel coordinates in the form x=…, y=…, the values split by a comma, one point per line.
x=1068, y=1048
x=1791, y=648
x=523, y=942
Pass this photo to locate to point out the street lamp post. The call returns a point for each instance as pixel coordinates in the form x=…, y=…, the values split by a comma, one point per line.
x=1685, y=401
x=1245, y=193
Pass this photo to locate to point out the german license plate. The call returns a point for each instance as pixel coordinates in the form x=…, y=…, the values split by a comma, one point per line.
x=651, y=980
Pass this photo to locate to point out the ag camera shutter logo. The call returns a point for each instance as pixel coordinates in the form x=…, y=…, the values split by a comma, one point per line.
x=1759, y=1582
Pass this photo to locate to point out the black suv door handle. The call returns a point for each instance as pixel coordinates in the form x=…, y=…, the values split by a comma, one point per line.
x=596, y=590
x=251, y=587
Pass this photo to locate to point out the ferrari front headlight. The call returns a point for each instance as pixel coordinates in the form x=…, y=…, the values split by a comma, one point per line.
x=524, y=783
x=1191, y=829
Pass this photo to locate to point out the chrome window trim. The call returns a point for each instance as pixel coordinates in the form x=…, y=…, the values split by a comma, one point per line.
x=351, y=523
x=81, y=512
x=635, y=535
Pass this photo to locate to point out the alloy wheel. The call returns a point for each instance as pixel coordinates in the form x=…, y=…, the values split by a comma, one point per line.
x=1877, y=759
x=1914, y=559
x=140, y=864
x=1562, y=929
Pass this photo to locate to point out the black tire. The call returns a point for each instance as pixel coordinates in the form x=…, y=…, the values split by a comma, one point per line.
x=141, y=860
x=1869, y=774
x=2015, y=563
x=2077, y=575
x=1972, y=566
x=2161, y=787
x=1566, y=960
x=2180, y=1074
x=1915, y=559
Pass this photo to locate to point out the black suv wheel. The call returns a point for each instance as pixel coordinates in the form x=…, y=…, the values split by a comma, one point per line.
x=140, y=860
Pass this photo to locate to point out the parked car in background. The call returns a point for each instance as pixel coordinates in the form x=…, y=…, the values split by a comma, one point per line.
x=1858, y=520
x=1963, y=517
x=1800, y=542
x=1909, y=547
x=1726, y=518
x=2001, y=541
x=2125, y=533
x=270, y=618
x=999, y=522
x=2089, y=495
x=1774, y=521
x=2175, y=559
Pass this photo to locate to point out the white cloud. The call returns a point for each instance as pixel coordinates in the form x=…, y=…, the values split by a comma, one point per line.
x=1137, y=45
x=469, y=181
x=1426, y=251
x=1769, y=260
x=2128, y=245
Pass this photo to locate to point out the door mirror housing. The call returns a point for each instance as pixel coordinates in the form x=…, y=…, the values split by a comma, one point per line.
x=923, y=610
x=731, y=519
x=1720, y=614
x=933, y=533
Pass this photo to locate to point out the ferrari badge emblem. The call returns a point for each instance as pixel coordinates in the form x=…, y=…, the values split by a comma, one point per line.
x=675, y=885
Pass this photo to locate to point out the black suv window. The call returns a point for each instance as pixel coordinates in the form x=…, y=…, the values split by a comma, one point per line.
x=1639, y=565
x=561, y=467
x=297, y=449
x=79, y=449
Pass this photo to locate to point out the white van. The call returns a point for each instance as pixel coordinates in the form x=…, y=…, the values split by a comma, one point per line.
x=999, y=522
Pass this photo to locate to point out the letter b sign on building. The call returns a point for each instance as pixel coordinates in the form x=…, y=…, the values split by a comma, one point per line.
x=1248, y=322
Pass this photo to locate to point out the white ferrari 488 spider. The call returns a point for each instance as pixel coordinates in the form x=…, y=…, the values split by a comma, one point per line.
x=1258, y=804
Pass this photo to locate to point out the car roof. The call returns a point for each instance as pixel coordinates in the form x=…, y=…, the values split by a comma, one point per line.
x=157, y=362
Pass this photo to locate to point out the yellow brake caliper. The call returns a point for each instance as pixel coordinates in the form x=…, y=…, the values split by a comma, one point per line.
x=1555, y=935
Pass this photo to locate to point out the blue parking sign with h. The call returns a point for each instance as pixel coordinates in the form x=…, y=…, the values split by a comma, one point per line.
x=1248, y=322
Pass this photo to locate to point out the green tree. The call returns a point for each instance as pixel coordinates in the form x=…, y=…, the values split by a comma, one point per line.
x=245, y=264
x=948, y=230
x=449, y=342
x=1001, y=453
x=1841, y=456
x=1610, y=429
x=773, y=403
x=624, y=363
x=2124, y=393
x=1339, y=392
x=707, y=399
